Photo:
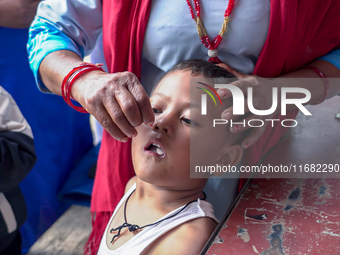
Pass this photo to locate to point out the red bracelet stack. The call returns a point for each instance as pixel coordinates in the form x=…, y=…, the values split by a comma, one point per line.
x=325, y=82
x=70, y=79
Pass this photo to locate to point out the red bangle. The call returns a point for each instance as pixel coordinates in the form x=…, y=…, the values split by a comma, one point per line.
x=70, y=78
x=325, y=82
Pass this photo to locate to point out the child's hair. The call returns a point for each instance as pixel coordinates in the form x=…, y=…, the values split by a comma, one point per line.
x=202, y=67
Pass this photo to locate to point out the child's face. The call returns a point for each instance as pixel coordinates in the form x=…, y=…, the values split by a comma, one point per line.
x=161, y=153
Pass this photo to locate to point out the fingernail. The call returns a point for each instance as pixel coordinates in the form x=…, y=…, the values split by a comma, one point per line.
x=221, y=92
x=149, y=123
x=246, y=145
x=236, y=128
x=135, y=134
x=227, y=116
x=124, y=139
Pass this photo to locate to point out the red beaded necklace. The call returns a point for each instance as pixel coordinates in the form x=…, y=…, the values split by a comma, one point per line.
x=211, y=46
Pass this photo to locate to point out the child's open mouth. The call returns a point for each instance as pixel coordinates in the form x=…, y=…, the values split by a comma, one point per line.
x=155, y=148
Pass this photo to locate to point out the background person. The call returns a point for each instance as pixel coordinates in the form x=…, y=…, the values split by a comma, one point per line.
x=62, y=135
x=17, y=157
x=263, y=38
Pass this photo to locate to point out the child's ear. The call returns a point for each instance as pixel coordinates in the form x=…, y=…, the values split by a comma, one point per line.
x=229, y=155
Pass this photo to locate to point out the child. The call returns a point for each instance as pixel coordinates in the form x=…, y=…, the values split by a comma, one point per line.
x=164, y=210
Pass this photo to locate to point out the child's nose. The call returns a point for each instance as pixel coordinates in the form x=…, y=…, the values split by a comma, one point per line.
x=158, y=127
x=163, y=124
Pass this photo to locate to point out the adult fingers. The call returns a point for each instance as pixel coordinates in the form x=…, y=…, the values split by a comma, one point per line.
x=254, y=135
x=104, y=118
x=239, y=124
x=133, y=107
x=103, y=105
x=134, y=101
x=143, y=101
x=118, y=116
x=243, y=124
x=231, y=70
x=122, y=98
x=129, y=107
x=241, y=110
x=237, y=88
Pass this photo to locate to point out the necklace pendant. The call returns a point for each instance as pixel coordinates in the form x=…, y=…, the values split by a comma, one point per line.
x=212, y=53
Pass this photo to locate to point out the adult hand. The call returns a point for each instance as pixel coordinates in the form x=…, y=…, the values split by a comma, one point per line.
x=17, y=13
x=118, y=101
x=262, y=100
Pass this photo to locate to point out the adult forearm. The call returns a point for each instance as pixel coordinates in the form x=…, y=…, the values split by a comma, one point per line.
x=315, y=86
x=55, y=67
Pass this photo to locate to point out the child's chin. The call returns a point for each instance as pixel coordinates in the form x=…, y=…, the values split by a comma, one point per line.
x=150, y=178
x=149, y=173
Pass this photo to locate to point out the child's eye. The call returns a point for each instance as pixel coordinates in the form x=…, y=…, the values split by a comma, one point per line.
x=156, y=111
x=189, y=122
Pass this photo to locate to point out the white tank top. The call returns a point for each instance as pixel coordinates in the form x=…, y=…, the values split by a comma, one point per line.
x=139, y=242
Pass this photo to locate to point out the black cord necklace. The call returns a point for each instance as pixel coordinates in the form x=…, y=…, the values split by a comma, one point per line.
x=133, y=228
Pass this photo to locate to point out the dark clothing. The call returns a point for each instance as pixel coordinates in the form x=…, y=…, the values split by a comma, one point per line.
x=14, y=247
x=17, y=157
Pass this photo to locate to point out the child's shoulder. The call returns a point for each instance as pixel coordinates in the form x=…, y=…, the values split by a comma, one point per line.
x=129, y=184
x=188, y=238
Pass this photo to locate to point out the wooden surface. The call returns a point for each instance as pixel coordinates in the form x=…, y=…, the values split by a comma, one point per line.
x=291, y=216
x=67, y=236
